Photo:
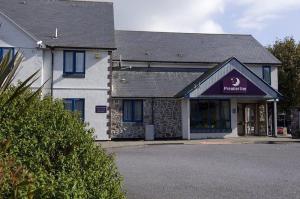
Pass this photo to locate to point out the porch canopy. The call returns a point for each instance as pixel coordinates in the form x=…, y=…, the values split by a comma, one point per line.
x=227, y=80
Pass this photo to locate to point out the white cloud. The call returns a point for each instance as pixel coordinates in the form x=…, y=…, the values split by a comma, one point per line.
x=169, y=15
x=257, y=13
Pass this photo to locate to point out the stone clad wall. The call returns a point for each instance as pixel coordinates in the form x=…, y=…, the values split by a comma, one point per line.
x=166, y=118
x=120, y=129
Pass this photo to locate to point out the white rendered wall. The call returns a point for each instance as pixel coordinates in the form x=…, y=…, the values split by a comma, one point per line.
x=93, y=88
x=234, y=126
x=47, y=71
x=274, y=77
x=98, y=121
x=12, y=36
x=185, y=119
x=258, y=70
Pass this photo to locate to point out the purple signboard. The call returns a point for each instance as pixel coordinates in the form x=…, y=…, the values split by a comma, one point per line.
x=234, y=83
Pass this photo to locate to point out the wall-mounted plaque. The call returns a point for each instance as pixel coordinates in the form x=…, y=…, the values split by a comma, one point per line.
x=101, y=109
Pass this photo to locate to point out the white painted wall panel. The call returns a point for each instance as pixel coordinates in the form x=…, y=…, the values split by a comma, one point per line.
x=98, y=121
x=12, y=36
x=95, y=75
x=274, y=77
x=93, y=88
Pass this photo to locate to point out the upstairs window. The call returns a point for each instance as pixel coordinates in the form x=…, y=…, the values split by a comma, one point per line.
x=74, y=63
x=75, y=105
x=4, y=51
x=267, y=74
x=133, y=110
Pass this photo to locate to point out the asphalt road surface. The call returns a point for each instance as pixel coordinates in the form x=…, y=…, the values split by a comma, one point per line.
x=211, y=171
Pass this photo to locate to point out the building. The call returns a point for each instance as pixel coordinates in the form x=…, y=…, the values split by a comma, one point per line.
x=192, y=85
x=71, y=44
x=129, y=83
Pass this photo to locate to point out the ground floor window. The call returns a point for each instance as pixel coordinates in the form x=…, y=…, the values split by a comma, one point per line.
x=132, y=110
x=210, y=114
x=75, y=105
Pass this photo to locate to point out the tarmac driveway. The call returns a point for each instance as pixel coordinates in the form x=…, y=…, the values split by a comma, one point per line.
x=211, y=171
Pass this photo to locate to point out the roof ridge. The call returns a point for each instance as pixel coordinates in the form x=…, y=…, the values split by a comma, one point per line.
x=192, y=33
x=87, y=1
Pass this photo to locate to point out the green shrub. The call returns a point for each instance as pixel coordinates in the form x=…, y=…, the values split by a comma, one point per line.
x=15, y=180
x=59, y=151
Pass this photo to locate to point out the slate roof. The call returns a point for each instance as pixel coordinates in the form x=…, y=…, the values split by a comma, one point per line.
x=150, y=84
x=80, y=24
x=142, y=84
x=190, y=47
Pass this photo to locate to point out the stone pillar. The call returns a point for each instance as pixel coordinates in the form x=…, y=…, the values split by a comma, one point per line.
x=267, y=118
x=275, y=118
x=233, y=112
x=185, y=119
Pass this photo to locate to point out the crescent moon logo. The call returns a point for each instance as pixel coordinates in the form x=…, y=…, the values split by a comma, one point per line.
x=236, y=82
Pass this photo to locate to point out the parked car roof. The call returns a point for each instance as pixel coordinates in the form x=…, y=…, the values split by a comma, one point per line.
x=190, y=47
x=79, y=23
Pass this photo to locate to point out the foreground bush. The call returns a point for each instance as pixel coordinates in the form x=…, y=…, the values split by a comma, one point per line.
x=55, y=152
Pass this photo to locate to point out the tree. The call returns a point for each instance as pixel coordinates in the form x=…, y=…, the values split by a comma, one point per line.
x=288, y=52
x=8, y=67
x=46, y=151
x=15, y=179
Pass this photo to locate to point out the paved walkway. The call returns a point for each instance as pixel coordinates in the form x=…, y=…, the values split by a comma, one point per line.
x=239, y=140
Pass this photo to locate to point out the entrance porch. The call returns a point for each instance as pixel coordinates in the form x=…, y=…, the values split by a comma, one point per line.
x=223, y=118
x=229, y=101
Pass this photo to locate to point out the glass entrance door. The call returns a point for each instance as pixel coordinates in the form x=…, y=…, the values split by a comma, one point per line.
x=247, y=119
x=250, y=119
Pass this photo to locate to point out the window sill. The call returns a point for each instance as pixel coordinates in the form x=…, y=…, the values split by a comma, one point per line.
x=211, y=130
x=74, y=75
x=124, y=122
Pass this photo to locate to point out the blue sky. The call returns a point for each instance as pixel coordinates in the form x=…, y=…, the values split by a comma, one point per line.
x=267, y=20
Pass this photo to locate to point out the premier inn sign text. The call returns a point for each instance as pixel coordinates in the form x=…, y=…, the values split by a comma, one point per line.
x=236, y=84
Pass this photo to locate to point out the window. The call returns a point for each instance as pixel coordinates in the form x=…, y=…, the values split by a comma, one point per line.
x=75, y=105
x=4, y=51
x=267, y=74
x=133, y=110
x=210, y=114
x=74, y=63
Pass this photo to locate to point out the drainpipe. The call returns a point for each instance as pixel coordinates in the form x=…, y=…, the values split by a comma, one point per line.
x=152, y=111
x=52, y=67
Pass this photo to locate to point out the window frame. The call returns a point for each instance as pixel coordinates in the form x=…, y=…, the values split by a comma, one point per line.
x=6, y=48
x=270, y=74
x=73, y=105
x=209, y=118
x=132, y=102
x=74, y=73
